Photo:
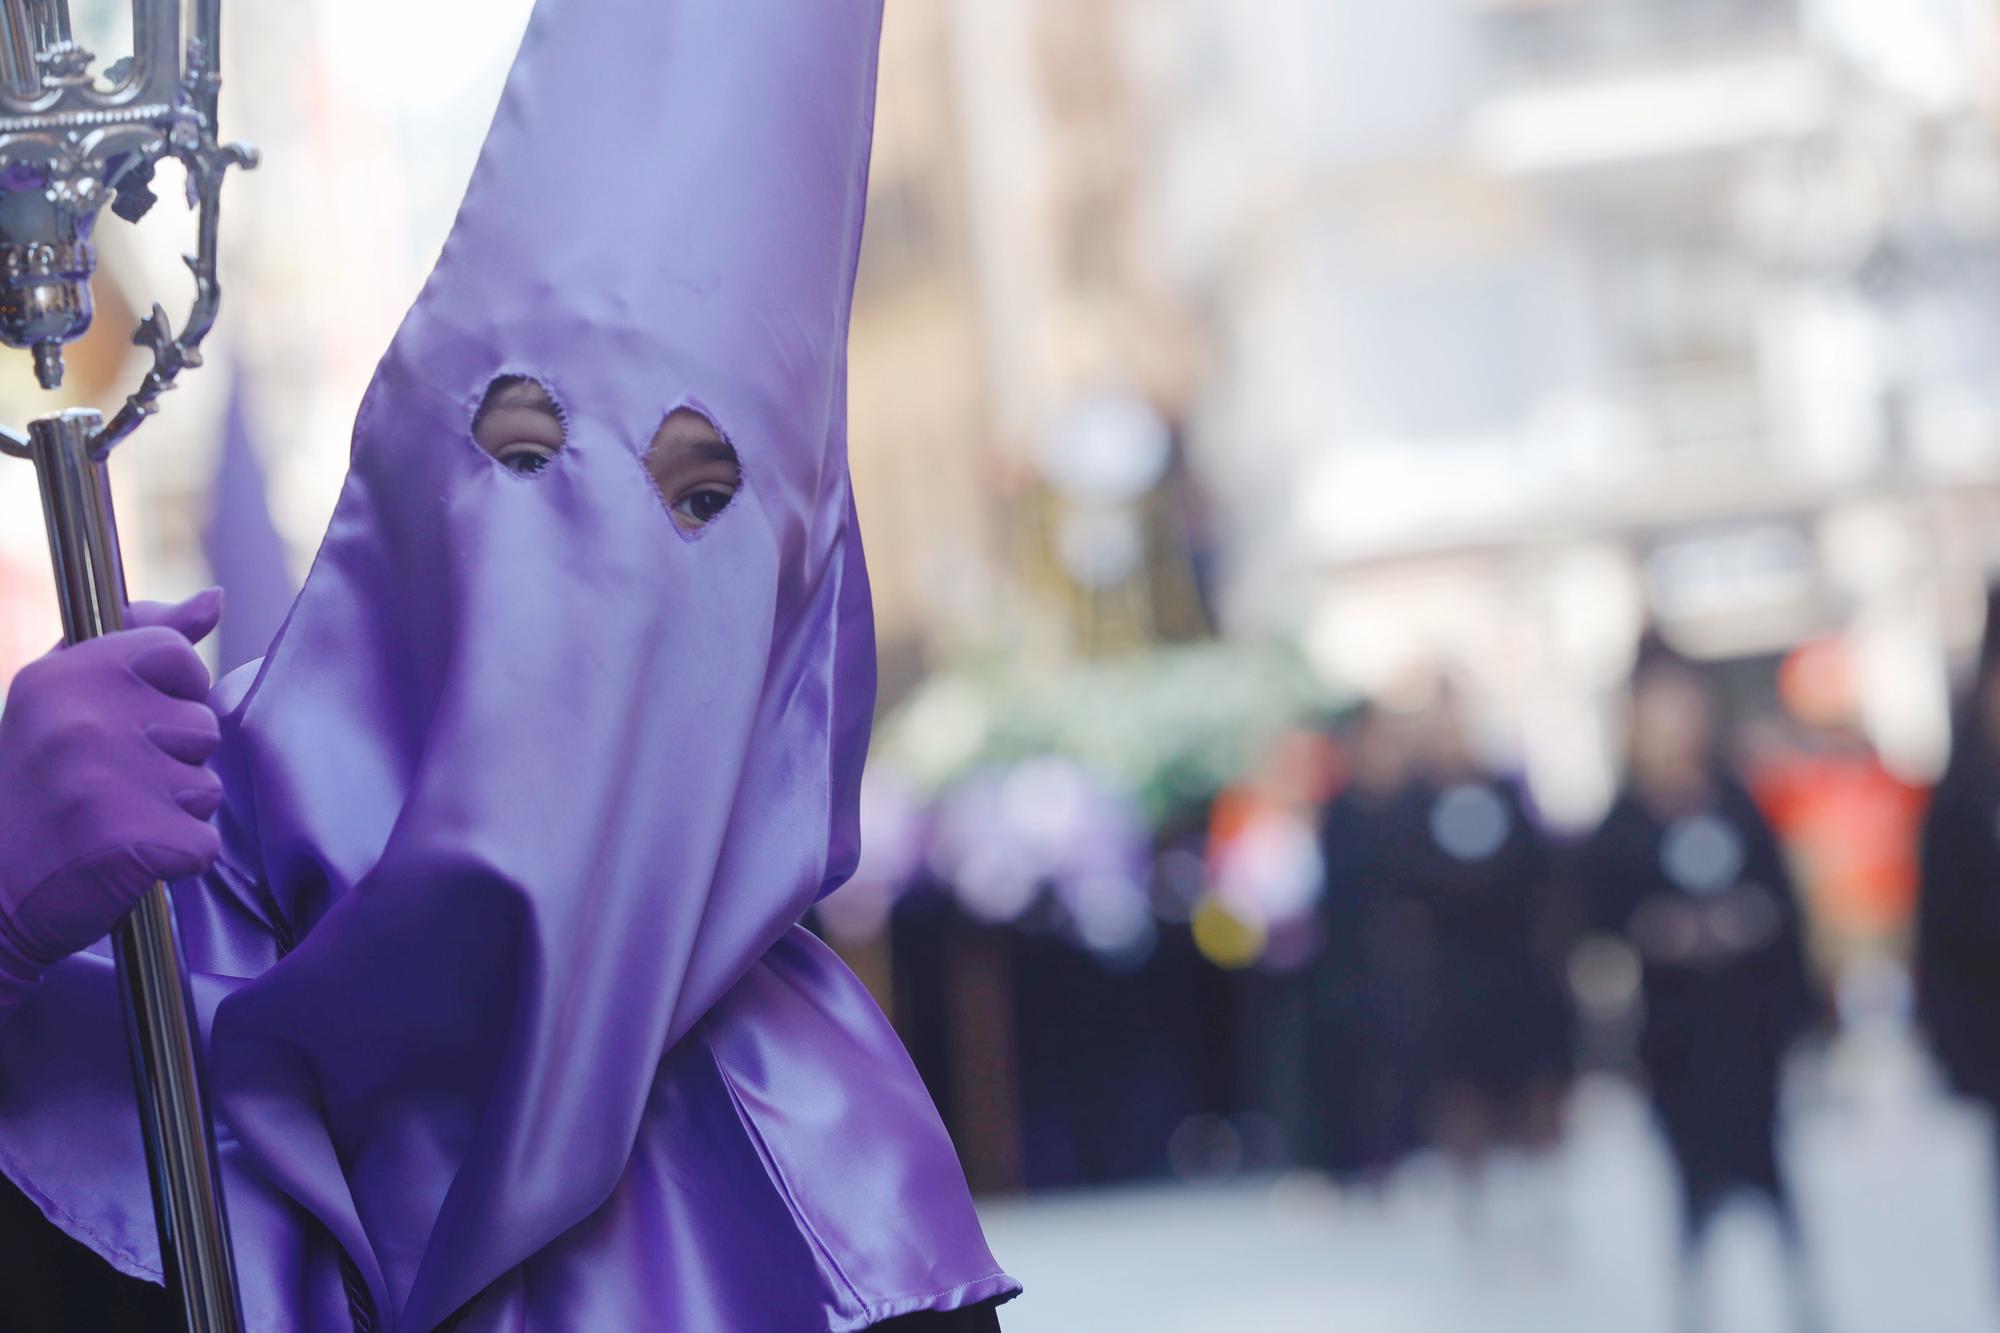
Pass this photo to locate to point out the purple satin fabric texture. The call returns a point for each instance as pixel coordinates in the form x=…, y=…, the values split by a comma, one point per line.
x=500, y=965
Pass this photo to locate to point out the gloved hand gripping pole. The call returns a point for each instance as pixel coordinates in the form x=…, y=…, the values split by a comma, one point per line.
x=152, y=976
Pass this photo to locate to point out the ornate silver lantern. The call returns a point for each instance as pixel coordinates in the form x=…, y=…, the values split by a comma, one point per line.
x=79, y=134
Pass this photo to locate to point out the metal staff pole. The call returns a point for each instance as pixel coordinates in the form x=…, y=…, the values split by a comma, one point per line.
x=195, y=1252
x=73, y=139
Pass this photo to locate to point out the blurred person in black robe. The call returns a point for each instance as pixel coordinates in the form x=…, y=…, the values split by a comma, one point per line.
x=1687, y=872
x=1467, y=850
x=1958, y=905
x=1362, y=1008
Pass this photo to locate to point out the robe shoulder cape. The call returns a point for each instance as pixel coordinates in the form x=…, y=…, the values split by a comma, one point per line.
x=789, y=1171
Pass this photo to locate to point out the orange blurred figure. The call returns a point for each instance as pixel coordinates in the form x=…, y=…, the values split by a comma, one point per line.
x=1849, y=825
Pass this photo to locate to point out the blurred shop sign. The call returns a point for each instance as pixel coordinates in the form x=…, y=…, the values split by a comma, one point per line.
x=1667, y=111
x=1731, y=571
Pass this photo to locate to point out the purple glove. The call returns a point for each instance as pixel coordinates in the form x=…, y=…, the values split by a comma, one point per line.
x=102, y=789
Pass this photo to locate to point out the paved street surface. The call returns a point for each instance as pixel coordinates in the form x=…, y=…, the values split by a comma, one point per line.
x=1893, y=1183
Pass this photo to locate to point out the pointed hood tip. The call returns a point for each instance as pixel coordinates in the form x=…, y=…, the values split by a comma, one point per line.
x=689, y=177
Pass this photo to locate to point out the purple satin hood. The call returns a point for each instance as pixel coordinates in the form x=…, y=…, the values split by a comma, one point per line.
x=504, y=988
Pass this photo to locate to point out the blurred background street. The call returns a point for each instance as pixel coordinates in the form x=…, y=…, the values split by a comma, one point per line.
x=1894, y=1179
x=1430, y=559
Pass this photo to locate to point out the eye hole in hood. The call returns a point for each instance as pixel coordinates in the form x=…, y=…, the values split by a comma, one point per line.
x=695, y=469
x=519, y=424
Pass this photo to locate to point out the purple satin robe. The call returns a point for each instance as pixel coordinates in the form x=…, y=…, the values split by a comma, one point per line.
x=500, y=973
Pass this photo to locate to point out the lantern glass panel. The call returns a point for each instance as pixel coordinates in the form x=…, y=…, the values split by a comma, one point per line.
x=104, y=28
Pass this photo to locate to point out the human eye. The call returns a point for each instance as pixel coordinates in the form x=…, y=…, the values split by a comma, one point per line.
x=524, y=457
x=700, y=505
x=519, y=425
x=695, y=470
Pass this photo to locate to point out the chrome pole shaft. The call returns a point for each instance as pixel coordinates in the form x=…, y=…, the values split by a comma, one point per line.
x=195, y=1253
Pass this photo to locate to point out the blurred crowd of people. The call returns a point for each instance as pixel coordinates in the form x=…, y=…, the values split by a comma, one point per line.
x=1472, y=962
x=1456, y=963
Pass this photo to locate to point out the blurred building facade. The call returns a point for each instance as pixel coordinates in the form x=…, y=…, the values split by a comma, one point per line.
x=1474, y=332
x=1493, y=329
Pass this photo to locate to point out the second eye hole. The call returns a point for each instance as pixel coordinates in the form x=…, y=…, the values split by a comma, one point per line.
x=696, y=471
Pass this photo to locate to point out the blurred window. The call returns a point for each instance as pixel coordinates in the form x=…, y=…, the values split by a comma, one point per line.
x=1536, y=39
x=904, y=238
x=1681, y=314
